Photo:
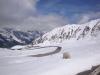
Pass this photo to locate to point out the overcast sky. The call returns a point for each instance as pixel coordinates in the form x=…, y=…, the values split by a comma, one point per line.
x=46, y=14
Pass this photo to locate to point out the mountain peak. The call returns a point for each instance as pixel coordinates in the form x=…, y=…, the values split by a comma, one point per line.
x=71, y=31
x=10, y=37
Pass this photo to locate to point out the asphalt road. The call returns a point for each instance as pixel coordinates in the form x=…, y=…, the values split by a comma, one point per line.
x=58, y=49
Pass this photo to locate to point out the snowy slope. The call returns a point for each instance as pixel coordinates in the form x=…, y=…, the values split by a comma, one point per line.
x=74, y=31
x=83, y=57
x=83, y=53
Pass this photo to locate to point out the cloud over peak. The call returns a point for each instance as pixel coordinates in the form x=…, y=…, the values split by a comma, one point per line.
x=28, y=14
x=23, y=14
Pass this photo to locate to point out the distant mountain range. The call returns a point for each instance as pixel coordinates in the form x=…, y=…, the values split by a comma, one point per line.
x=71, y=31
x=10, y=37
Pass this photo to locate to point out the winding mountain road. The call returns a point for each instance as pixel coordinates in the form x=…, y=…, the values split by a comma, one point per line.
x=58, y=49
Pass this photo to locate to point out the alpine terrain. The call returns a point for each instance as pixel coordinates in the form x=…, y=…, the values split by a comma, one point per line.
x=73, y=49
x=10, y=37
x=74, y=31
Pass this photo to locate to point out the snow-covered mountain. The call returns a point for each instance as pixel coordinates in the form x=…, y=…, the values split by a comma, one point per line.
x=71, y=31
x=10, y=37
x=44, y=59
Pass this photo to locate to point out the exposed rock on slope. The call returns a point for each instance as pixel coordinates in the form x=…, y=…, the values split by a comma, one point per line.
x=74, y=31
x=10, y=37
x=95, y=70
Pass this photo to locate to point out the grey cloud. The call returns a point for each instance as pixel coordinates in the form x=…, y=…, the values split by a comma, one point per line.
x=85, y=17
x=42, y=22
x=22, y=14
x=15, y=11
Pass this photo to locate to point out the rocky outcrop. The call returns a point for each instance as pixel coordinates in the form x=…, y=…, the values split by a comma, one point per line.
x=95, y=70
x=74, y=31
x=66, y=55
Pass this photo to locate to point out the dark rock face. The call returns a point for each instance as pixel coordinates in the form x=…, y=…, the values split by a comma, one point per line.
x=98, y=73
x=85, y=72
x=5, y=42
x=10, y=37
x=95, y=70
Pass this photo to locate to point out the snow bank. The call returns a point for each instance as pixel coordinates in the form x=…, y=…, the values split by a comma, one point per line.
x=18, y=47
x=84, y=54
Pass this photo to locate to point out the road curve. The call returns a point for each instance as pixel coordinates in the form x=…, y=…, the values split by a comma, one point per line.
x=58, y=49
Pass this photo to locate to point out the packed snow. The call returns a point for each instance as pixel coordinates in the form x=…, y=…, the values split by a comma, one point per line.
x=84, y=54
